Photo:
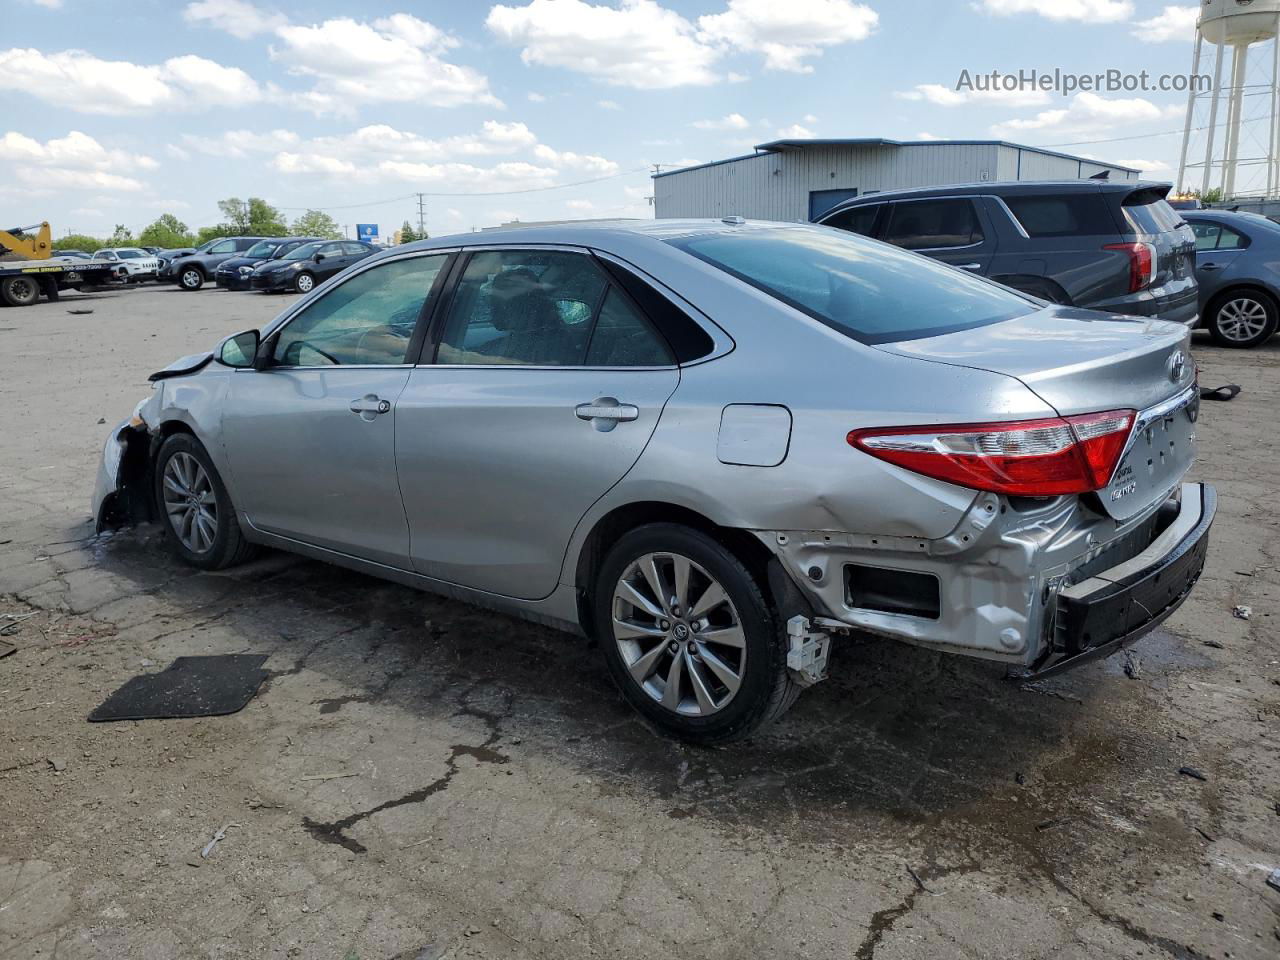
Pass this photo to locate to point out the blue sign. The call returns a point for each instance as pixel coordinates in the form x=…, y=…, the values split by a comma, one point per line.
x=368, y=232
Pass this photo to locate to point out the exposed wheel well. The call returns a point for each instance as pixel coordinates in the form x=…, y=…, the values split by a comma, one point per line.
x=755, y=556
x=1042, y=287
x=134, y=498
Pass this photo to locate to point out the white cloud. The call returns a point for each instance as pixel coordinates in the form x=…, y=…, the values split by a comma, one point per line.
x=926, y=135
x=734, y=121
x=795, y=132
x=82, y=82
x=1088, y=114
x=788, y=33
x=580, y=206
x=1147, y=166
x=941, y=96
x=1088, y=11
x=396, y=59
x=639, y=44
x=535, y=97
x=381, y=153
x=76, y=161
x=1172, y=23
x=608, y=105
x=236, y=17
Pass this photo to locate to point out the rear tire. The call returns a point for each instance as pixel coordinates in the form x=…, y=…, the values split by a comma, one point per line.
x=199, y=520
x=19, y=291
x=705, y=666
x=1242, y=319
x=191, y=278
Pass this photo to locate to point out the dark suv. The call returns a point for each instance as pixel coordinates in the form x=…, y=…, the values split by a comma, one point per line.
x=191, y=272
x=1113, y=246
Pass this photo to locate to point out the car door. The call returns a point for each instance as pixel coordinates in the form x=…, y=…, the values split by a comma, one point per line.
x=1218, y=248
x=330, y=259
x=951, y=229
x=547, y=383
x=310, y=438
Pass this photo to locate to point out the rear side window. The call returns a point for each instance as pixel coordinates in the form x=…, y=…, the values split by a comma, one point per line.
x=1214, y=236
x=860, y=220
x=1062, y=215
x=861, y=288
x=1155, y=216
x=933, y=224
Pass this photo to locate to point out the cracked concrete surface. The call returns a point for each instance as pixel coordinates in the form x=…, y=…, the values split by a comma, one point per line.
x=422, y=779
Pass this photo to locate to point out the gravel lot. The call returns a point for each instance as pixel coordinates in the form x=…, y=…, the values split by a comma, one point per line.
x=421, y=779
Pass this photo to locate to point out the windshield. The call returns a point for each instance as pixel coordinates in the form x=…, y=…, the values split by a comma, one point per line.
x=870, y=291
x=304, y=252
x=132, y=253
x=263, y=248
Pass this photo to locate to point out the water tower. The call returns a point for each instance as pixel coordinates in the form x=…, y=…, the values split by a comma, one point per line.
x=1243, y=112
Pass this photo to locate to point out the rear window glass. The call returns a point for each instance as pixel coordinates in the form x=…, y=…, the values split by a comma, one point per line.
x=933, y=224
x=867, y=290
x=1059, y=215
x=1154, y=217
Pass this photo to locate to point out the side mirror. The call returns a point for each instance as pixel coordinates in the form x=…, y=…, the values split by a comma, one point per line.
x=319, y=257
x=239, y=350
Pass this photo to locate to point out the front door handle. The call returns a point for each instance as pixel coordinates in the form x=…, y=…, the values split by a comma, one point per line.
x=606, y=412
x=370, y=406
x=969, y=266
x=1210, y=266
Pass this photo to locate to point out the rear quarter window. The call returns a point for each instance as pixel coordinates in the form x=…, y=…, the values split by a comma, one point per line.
x=1062, y=215
x=1154, y=217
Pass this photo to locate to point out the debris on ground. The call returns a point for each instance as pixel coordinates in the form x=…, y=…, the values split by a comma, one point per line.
x=1192, y=772
x=327, y=776
x=1132, y=666
x=1216, y=644
x=1273, y=881
x=6, y=648
x=79, y=313
x=219, y=834
x=1242, y=612
x=58, y=764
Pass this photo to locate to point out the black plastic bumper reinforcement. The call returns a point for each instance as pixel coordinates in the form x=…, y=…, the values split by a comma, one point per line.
x=1115, y=607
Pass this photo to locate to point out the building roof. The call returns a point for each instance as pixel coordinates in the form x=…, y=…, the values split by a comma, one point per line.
x=779, y=146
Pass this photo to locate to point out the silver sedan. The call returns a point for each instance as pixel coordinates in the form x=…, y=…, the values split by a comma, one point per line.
x=719, y=447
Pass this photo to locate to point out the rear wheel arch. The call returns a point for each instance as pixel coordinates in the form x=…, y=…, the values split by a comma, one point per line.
x=750, y=551
x=1042, y=287
x=1235, y=291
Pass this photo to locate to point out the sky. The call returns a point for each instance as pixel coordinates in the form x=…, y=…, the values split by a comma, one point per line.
x=527, y=109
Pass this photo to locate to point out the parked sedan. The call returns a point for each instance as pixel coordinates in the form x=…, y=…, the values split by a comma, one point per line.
x=840, y=436
x=234, y=274
x=73, y=254
x=1238, y=266
x=302, y=268
x=138, y=264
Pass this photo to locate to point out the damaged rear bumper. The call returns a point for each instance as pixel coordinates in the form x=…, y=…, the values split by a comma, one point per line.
x=1100, y=615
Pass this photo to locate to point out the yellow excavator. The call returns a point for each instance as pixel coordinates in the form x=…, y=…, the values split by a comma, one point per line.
x=28, y=267
x=26, y=243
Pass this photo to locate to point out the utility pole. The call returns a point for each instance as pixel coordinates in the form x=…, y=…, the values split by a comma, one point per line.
x=422, y=216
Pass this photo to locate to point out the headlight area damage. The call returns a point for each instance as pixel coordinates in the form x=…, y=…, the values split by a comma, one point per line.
x=1040, y=584
x=122, y=493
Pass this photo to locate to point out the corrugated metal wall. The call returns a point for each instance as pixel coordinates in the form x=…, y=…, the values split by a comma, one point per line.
x=776, y=186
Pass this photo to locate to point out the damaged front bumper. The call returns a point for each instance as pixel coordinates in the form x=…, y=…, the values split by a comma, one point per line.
x=1037, y=585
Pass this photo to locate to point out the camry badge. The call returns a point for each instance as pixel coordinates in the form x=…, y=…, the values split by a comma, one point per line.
x=1177, y=366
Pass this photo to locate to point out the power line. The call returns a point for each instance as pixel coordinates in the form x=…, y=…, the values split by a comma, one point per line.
x=1142, y=136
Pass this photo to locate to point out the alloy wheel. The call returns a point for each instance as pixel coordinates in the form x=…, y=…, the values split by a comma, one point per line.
x=679, y=634
x=191, y=278
x=1242, y=319
x=190, y=503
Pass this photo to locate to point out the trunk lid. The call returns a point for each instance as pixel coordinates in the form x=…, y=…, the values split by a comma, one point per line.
x=1079, y=361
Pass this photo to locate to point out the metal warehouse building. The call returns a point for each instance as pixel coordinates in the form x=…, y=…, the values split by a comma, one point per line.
x=800, y=179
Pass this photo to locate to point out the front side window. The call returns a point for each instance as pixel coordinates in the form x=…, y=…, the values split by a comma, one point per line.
x=933, y=224
x=861, y=220
x=304, y=252
x=861, y=288
x=370, y=319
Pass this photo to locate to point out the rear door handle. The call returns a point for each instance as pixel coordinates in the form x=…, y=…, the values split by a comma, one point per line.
x=606, y=412
x=369, y=406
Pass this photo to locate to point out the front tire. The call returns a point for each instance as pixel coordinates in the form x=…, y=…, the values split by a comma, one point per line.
x=304, y=283
x=191, y=278
x=689, y=637
x=199, y=520
x=1243, y=319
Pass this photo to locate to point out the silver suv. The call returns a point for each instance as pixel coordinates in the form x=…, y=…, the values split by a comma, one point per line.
x=712, y=445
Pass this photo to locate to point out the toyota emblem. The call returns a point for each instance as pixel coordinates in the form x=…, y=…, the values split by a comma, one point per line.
x=1177, y=366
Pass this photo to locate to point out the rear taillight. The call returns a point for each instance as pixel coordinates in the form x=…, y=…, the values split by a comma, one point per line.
x=1036, y=458
x=1142, y=263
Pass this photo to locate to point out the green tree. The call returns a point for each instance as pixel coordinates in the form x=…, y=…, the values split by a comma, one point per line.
x=254, y=217
x=407, y=233
x=205, y=234
x=166, y=231
x=122, y=236
x=316, y=223
x=79, y=241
